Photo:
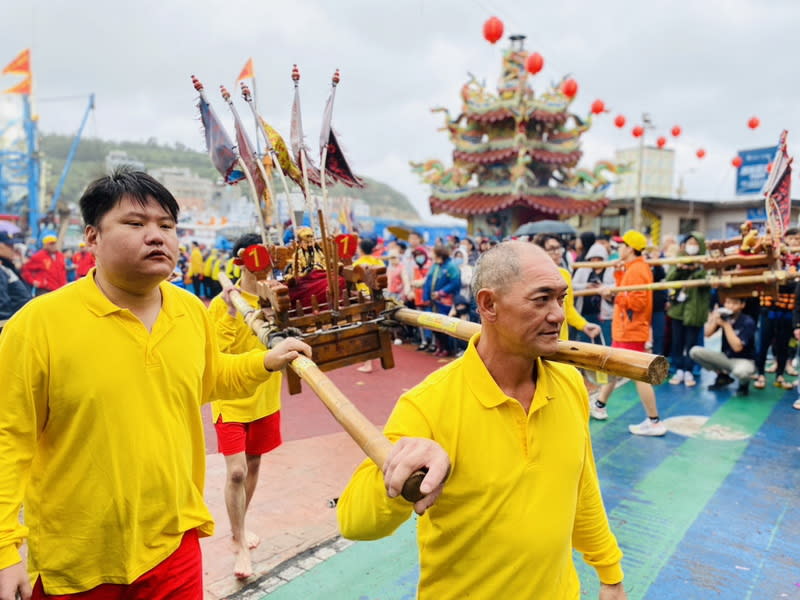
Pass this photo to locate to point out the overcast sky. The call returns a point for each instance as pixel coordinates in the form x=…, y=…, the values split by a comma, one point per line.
x=707, y=66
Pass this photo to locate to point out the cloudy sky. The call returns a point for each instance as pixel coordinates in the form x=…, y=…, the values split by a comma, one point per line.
x=707, y=66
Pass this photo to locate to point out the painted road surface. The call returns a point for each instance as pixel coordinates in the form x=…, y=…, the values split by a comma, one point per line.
x=710, y=512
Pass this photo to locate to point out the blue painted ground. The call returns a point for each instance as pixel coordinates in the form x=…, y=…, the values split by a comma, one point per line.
x=713, y=516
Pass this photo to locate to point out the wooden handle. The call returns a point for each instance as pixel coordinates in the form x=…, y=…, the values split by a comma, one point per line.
x=640, y=366
x=724, y=281
x=368, y=437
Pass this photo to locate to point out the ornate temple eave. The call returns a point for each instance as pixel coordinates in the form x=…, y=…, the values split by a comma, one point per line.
x=502, y=114
x=567, y=159
x=482, y=204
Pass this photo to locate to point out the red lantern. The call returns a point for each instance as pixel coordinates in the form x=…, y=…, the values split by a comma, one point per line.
x=737, y=162
x=534, y=63
x=661, y=142
x=598, y=106
x=569, y=88
x=638, y=131
x=753, y=123
x=700, y=153
x=676, y=131
x=619, y=121
x=493, y=30
x=769, y=168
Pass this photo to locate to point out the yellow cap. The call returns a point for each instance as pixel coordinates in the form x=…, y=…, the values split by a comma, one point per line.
x=304, y=233
x=81, y=244
x=49, y=239
x=635, y=240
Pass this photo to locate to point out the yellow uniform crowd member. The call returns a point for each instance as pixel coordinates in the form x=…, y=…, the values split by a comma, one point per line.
x=196, y=269
x=512, y=431
x=246, y=427
x=101, y=435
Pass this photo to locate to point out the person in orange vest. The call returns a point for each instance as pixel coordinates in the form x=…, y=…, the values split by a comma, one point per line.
x=83, y=260
x=630, y=329
x=46, y=269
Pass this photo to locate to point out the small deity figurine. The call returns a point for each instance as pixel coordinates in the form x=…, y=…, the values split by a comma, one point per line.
x=308, y=256
x=750, y=238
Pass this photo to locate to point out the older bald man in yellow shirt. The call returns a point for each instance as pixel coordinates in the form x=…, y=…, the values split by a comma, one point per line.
x=512, y=430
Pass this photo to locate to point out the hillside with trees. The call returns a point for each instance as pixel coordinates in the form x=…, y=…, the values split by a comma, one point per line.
x=89, y=163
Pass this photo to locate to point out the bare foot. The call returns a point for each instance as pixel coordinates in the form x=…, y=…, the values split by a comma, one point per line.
x=252, y=539
x=243, y=567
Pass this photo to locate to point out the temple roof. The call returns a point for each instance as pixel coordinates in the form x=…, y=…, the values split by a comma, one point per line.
x=481, y=204
x=504, y=155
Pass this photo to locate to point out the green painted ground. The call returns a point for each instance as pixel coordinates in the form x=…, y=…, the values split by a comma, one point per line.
x=671, y=481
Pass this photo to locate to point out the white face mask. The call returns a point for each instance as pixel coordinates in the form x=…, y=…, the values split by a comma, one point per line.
x=692, y=249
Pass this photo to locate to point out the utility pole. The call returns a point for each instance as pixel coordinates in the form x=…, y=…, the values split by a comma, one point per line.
x=637, y=202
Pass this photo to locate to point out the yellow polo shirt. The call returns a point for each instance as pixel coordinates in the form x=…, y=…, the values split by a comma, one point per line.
x=234, y=336
x=523, y=490
x=101, y=431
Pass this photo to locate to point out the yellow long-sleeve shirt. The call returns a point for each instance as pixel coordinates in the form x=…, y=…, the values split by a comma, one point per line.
x=234, y=336
x=522, y=492
x=101, y=432
x=571, y=315
x=367, y=260
x=196, y=262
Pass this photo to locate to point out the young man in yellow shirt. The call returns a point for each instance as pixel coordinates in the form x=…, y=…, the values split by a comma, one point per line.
x=511, y=486
x=100, y=424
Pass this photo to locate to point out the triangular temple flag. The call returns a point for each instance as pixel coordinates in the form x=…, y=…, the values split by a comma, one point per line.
x=21, y=65
x=219, y=145
x=23, y=87
x=247, y=71
x=291, y=170
x=778, y=189
x=332, y=160
x=245, y=147
x=296, y=136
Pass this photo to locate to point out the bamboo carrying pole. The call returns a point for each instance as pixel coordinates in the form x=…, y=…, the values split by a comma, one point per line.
x=726, y=281
x=368, y=437
x=640, y=366
x=675, y=260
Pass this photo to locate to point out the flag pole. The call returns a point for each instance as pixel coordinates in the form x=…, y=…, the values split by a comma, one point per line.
x=261, y=210
x=324, y=142
x=273, y=155
x=255, y=113
x=301, y=157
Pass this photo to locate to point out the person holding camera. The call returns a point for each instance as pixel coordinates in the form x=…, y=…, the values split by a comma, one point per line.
x=737, y=358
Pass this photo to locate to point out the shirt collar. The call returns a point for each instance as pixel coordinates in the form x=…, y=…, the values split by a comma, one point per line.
x=97, y=302
x=489, y=394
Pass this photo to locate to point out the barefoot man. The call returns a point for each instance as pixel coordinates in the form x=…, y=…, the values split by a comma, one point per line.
x=101, y=435
x=246, y=427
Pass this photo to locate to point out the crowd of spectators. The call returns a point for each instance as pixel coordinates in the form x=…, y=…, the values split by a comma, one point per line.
x=436, y=275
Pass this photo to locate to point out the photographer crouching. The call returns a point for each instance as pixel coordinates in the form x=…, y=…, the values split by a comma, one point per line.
x=737, y=358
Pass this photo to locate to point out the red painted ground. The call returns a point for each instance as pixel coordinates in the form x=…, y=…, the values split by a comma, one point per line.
x=304, y=415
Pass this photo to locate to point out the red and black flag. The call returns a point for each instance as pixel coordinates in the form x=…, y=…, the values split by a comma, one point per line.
x=332, y=159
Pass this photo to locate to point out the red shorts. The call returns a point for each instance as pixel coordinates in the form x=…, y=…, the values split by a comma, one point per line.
x=178, y=577
x=255, y=438
x=638, y=346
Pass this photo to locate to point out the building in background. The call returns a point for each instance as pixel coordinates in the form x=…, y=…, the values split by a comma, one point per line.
x=658, y=172
x=120, y=158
